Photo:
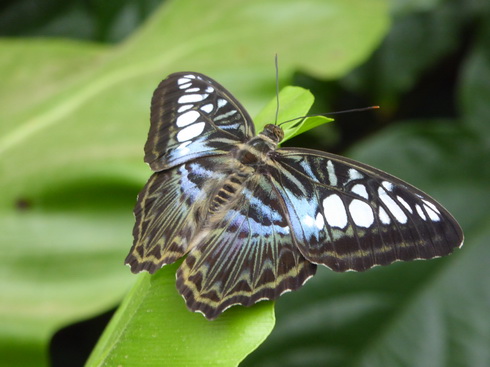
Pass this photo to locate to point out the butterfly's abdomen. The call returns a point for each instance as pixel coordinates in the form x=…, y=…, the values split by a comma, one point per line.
x=247, y=158
x=223, y=196
x=226, y=194
x=243, y=164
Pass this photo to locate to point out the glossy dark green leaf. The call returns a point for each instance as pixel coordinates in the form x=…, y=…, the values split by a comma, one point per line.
x=475, y=86
x=421, y=36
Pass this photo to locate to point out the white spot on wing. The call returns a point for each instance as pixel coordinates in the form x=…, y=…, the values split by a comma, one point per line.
x=383, y=216
x=420, y=212
x=361, y=213
x=191, y=98
x=387, y=185
x=192, y=90
x=185, y=86
x=190, y=76
x=334, y=211
x=319, y=221
x=222, y=102
x=190, y=131
x=184, y=108
x=431, y=212
x=209, y=89
x=392, y=206
x=405, y=204
x=208, y=108
x=181, y=81
x=332, y=177
x=187, y=118
x=182, y=148
x=360, y=190
x=432, y=206
x=354, y=174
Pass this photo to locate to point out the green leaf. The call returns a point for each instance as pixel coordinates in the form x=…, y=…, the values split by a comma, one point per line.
x=75, y=122
x=153, y=328
x=305, y=125
x=294, y=102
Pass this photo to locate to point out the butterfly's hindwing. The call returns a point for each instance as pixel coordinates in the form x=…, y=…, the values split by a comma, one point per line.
x=249, y=256
x=350, y=216
x=165, y=218
x=193, y=116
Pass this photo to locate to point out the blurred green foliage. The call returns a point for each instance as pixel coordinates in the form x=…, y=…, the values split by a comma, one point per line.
x=73, y=123
x=91, y=20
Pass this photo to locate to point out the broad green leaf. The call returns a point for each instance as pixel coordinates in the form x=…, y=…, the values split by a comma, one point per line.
x=75, y=123
x=294, y=102
x=36, y=70
x=154, y=328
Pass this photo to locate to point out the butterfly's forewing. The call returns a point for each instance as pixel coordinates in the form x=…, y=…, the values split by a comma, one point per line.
x=248, y=256
x=350, y=216
x=193, y=116
x=164, y=214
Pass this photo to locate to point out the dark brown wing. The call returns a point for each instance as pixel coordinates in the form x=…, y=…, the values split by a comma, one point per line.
x=248, y=257
x=350, y=216
x=193, y=116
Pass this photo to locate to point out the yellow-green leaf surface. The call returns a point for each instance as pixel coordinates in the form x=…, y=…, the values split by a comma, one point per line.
x=73, y=122
x=292, y=103
x=153, y=328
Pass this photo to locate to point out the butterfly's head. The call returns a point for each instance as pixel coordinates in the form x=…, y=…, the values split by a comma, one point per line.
x=273, y=132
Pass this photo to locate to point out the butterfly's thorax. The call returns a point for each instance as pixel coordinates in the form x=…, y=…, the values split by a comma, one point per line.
x=248, y=158
x=256, y=150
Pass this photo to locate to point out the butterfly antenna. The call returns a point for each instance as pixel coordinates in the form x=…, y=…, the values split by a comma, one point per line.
x=332, y=113
x=348, y=111
x=277, y=88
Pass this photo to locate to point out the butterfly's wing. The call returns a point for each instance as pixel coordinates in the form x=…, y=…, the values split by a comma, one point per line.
x=350, y=216
x=193, y=116
x=249, y=256
x=164, y=214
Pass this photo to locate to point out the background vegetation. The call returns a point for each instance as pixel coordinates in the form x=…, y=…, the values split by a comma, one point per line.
x=77, y=78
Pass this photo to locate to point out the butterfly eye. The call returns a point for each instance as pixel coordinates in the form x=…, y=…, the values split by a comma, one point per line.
x=274, y=132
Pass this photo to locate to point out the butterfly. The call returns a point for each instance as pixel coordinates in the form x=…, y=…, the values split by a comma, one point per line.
x=254, y=220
